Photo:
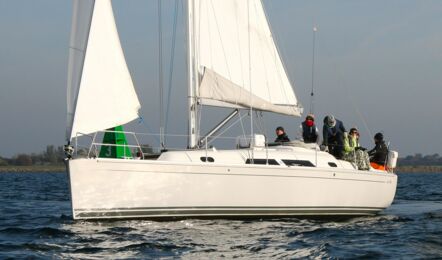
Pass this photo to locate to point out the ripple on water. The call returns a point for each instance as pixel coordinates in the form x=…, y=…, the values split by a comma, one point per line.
x=35, y=222
x=44, y=232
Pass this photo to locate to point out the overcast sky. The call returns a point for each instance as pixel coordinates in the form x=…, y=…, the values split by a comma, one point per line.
x=378, y=62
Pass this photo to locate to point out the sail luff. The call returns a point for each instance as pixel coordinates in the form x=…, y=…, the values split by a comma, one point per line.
x=77, y=51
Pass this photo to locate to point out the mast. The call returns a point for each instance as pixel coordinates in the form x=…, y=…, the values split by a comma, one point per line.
x=192, y=76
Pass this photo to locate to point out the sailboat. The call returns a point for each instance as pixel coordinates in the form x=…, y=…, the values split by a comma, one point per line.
x=233, y=62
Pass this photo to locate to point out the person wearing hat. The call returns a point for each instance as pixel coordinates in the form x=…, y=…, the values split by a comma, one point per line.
x=351, y=141
x=281, y=136
x=309, y=130
x=353, y=152
x=333, y=136
x=378, y=155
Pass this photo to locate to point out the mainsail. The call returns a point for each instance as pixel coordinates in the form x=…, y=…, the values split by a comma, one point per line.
x=100, y=91
x=238, y=59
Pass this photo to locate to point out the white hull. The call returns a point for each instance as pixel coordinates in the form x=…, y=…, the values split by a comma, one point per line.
x=296, y=180
x=117, y=188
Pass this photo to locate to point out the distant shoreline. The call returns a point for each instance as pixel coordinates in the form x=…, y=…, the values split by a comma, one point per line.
x=419, y=169
x=62, y=169
x=33, y=168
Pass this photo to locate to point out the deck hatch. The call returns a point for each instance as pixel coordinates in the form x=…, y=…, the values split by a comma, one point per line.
x=207, y=159
x=298, y=163
x=332, y=164
x=262, y=161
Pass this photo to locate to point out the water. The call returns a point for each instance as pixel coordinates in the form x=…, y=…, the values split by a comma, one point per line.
x=35, y=222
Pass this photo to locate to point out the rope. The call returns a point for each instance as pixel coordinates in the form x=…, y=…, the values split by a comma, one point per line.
x=172, y=60
x=349, y=96
x=226, y=129
x=142, y=122
x=160, y=73
x=258, y=124
x=250, y=69
x=312, y=94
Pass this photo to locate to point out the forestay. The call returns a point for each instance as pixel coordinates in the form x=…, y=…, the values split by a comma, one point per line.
x=100, y=91
x=238, y=59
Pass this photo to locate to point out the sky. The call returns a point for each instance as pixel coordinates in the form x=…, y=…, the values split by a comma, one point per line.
x=378, y=67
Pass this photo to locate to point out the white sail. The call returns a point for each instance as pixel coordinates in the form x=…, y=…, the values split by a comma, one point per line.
x=81, y=20
x=100, y=89
x=238, y=59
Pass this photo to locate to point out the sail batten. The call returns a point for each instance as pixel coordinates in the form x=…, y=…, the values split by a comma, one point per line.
x=101, y=94
x=235, y=43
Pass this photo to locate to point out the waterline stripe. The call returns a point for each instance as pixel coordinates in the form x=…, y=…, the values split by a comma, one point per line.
x=222, y=212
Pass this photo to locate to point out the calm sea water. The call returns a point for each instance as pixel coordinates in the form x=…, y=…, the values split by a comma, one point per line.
x=35, y=222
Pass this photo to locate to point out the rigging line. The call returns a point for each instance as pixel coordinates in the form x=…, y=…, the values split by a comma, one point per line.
x=142, y=122
x=209, y=25
x=257, y=123
x=278, y=52
x=258, y=120
x=242, y=124
x=239, y=50
x=77, y=49
x=364, y=122
x=221, y=41
x=264, y=126
x=250, y=71
x=274, y=53
x=160, y=73
x=198, y=36
x=172, y=61
x=250, y=81
x=315, y=29
x=225, y=130
x=264, y=63
x=356, y=108
x=199, y=117
x=243, y=129
x=344, y=85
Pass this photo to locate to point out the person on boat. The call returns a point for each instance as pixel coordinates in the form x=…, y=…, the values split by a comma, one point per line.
x=308, y=129
x=378, y=155
x=351, y=142
x=281, y=136
x=333, y=136
x=353, y=152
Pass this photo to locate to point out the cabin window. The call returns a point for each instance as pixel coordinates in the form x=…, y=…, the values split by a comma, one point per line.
x=207, y=159
x=332, y=164
x=298, y=163
x=262, y=161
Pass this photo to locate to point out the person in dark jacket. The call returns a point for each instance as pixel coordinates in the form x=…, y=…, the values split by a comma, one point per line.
x=309, y=130
x=378, y=155
x=281, y=136
x=333, y=136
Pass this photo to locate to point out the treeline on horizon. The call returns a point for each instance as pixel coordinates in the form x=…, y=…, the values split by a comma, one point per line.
x=421, y=160
x=55, y=156
x=51, y=156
